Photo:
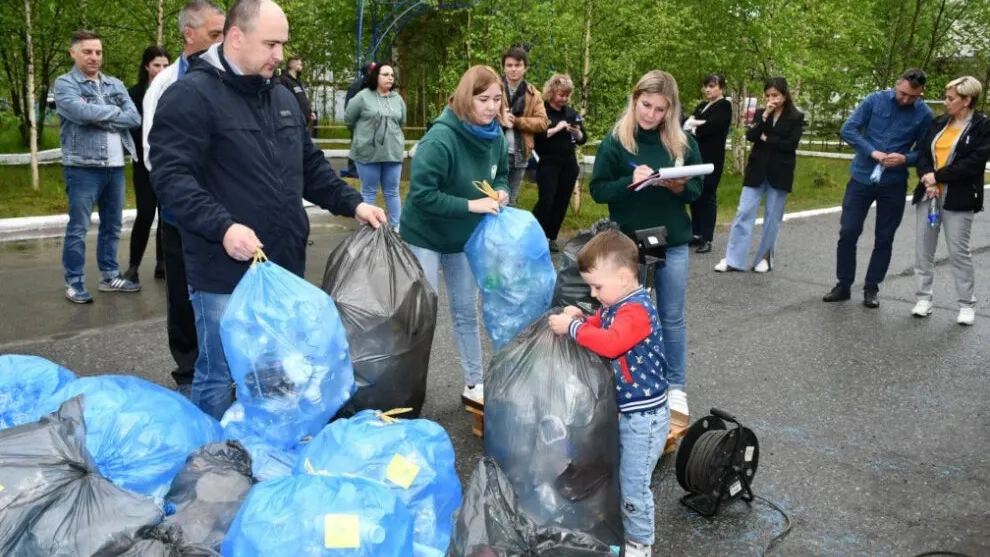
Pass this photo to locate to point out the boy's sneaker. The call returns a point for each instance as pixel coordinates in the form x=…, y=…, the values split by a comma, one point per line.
x=677, y=399
x=634, y=549
x=118, y=284
x=474, y=395
x=77, y=293
x=922, y=309
x=966, y=316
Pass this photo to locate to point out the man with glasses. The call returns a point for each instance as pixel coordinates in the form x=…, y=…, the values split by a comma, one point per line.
x=885, y=130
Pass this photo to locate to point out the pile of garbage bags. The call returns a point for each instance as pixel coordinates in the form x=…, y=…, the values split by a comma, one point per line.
x=510, y=259
x=138, y=433
x=24, y=380
x=492, y=524
x=389, y=312
x=571, y=290
x=288, y=355
x=54, y=502
x=268, y=461
x=551, y=424
x=414, y=458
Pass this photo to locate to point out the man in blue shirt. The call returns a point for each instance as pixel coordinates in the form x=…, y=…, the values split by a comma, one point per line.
x=886, y=130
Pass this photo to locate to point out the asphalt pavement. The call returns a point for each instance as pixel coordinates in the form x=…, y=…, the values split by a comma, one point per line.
x=873, y=426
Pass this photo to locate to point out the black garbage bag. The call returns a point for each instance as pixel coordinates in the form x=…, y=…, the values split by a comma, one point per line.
x=54, y=502
x=491, y=524
x=389, y=311
x=551, y=424
x=571, y=290
x=208, y=491
x=167, y=541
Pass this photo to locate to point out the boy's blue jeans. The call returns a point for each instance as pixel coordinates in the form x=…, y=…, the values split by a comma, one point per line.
x=85, y=188
x=642, y=437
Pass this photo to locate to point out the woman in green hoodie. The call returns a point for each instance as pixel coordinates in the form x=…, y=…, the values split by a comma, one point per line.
x=648, y=136
x=443, y=207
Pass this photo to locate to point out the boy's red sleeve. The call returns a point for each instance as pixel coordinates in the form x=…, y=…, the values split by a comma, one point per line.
x=630, y=327
x=594, y=320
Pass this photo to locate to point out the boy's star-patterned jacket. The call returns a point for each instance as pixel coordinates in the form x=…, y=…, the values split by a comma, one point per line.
x=628, y=333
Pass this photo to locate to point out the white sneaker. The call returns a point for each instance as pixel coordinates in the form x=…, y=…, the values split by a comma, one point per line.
x=966, y=316
x=634, y=549
x=762, y=267
x=722, y=266
x=474, y=396
x=677, y=401
x=922, y=309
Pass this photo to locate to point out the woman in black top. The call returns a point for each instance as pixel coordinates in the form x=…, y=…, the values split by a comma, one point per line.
x=775, y=133
x=710, y=126
x=154, y=60
x=557, y=171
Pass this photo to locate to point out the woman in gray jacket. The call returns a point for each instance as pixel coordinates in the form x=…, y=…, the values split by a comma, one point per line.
x=376, y=116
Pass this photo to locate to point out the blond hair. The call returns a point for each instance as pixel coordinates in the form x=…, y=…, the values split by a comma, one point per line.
x=671, y=134
x=967, y=86
x=474, y=82
x=557, y=82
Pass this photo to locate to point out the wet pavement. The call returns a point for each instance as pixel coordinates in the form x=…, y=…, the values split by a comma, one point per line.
x=874, y=427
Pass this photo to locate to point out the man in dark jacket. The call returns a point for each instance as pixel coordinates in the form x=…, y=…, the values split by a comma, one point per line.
x=290, y=78
x=232, y=162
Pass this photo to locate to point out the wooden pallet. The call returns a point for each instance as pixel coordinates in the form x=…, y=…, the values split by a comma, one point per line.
x=678, y=427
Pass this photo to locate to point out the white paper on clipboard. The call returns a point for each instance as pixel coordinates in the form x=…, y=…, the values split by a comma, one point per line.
x=673, y=173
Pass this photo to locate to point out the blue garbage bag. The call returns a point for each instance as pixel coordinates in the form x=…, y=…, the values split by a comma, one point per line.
x=267, y=460
x=287, y=352
x=24, y=382
x=320, y=516
x=414, y=458
x=138, y=433
x=510, y=258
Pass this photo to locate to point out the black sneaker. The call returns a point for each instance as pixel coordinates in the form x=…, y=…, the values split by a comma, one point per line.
x=554, y=248
x=705, y=247
x=870, y=299
x=837, y=294
x=695, y=241
x=131, y=274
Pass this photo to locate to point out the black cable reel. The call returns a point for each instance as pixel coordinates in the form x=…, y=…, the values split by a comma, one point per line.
x=716, y=464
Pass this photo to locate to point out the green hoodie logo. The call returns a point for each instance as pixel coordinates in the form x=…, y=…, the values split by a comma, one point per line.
x=494, y=170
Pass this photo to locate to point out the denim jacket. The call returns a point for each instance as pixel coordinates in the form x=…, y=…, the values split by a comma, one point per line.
x=88, y=111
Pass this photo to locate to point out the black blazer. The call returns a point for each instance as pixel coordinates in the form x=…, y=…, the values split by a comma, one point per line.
x=711, y=135
x=773, y=160
x=963, y=177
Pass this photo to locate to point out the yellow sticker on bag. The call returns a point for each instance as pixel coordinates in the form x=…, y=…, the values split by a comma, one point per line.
x=401, y=471
x=1, y=488
x=341, y=531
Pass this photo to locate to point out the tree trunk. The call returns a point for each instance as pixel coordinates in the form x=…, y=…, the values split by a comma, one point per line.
x=909, y=49
x=35, y=179
x=587, y=57
x=738, y=139
x=160, y=22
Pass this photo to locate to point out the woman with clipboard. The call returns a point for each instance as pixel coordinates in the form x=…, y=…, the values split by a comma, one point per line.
x=775, y=133
x=648, y=136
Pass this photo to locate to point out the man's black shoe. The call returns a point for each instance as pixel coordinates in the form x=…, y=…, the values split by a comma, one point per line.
x=695, y=241
x=870, y=299
x=837, y=294
x=705, y=247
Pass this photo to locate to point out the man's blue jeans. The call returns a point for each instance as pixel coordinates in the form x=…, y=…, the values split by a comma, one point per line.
x=671, y=292
x=642, y=437
x=212, y=387
x=855, y=207
x=86, y=187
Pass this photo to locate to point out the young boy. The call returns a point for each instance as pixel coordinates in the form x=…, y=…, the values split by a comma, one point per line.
x=627, y=331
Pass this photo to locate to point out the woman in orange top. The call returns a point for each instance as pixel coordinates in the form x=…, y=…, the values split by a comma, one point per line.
x=951, y=165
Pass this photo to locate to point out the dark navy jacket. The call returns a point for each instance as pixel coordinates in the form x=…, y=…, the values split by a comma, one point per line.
x=234, y=149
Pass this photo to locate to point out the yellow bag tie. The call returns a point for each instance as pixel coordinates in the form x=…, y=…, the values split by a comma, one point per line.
x=389, y=417
x=259, y=257
x=485, y=188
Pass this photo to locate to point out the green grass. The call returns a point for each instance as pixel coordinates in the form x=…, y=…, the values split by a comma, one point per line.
x=10, y=140
x=17, y=199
